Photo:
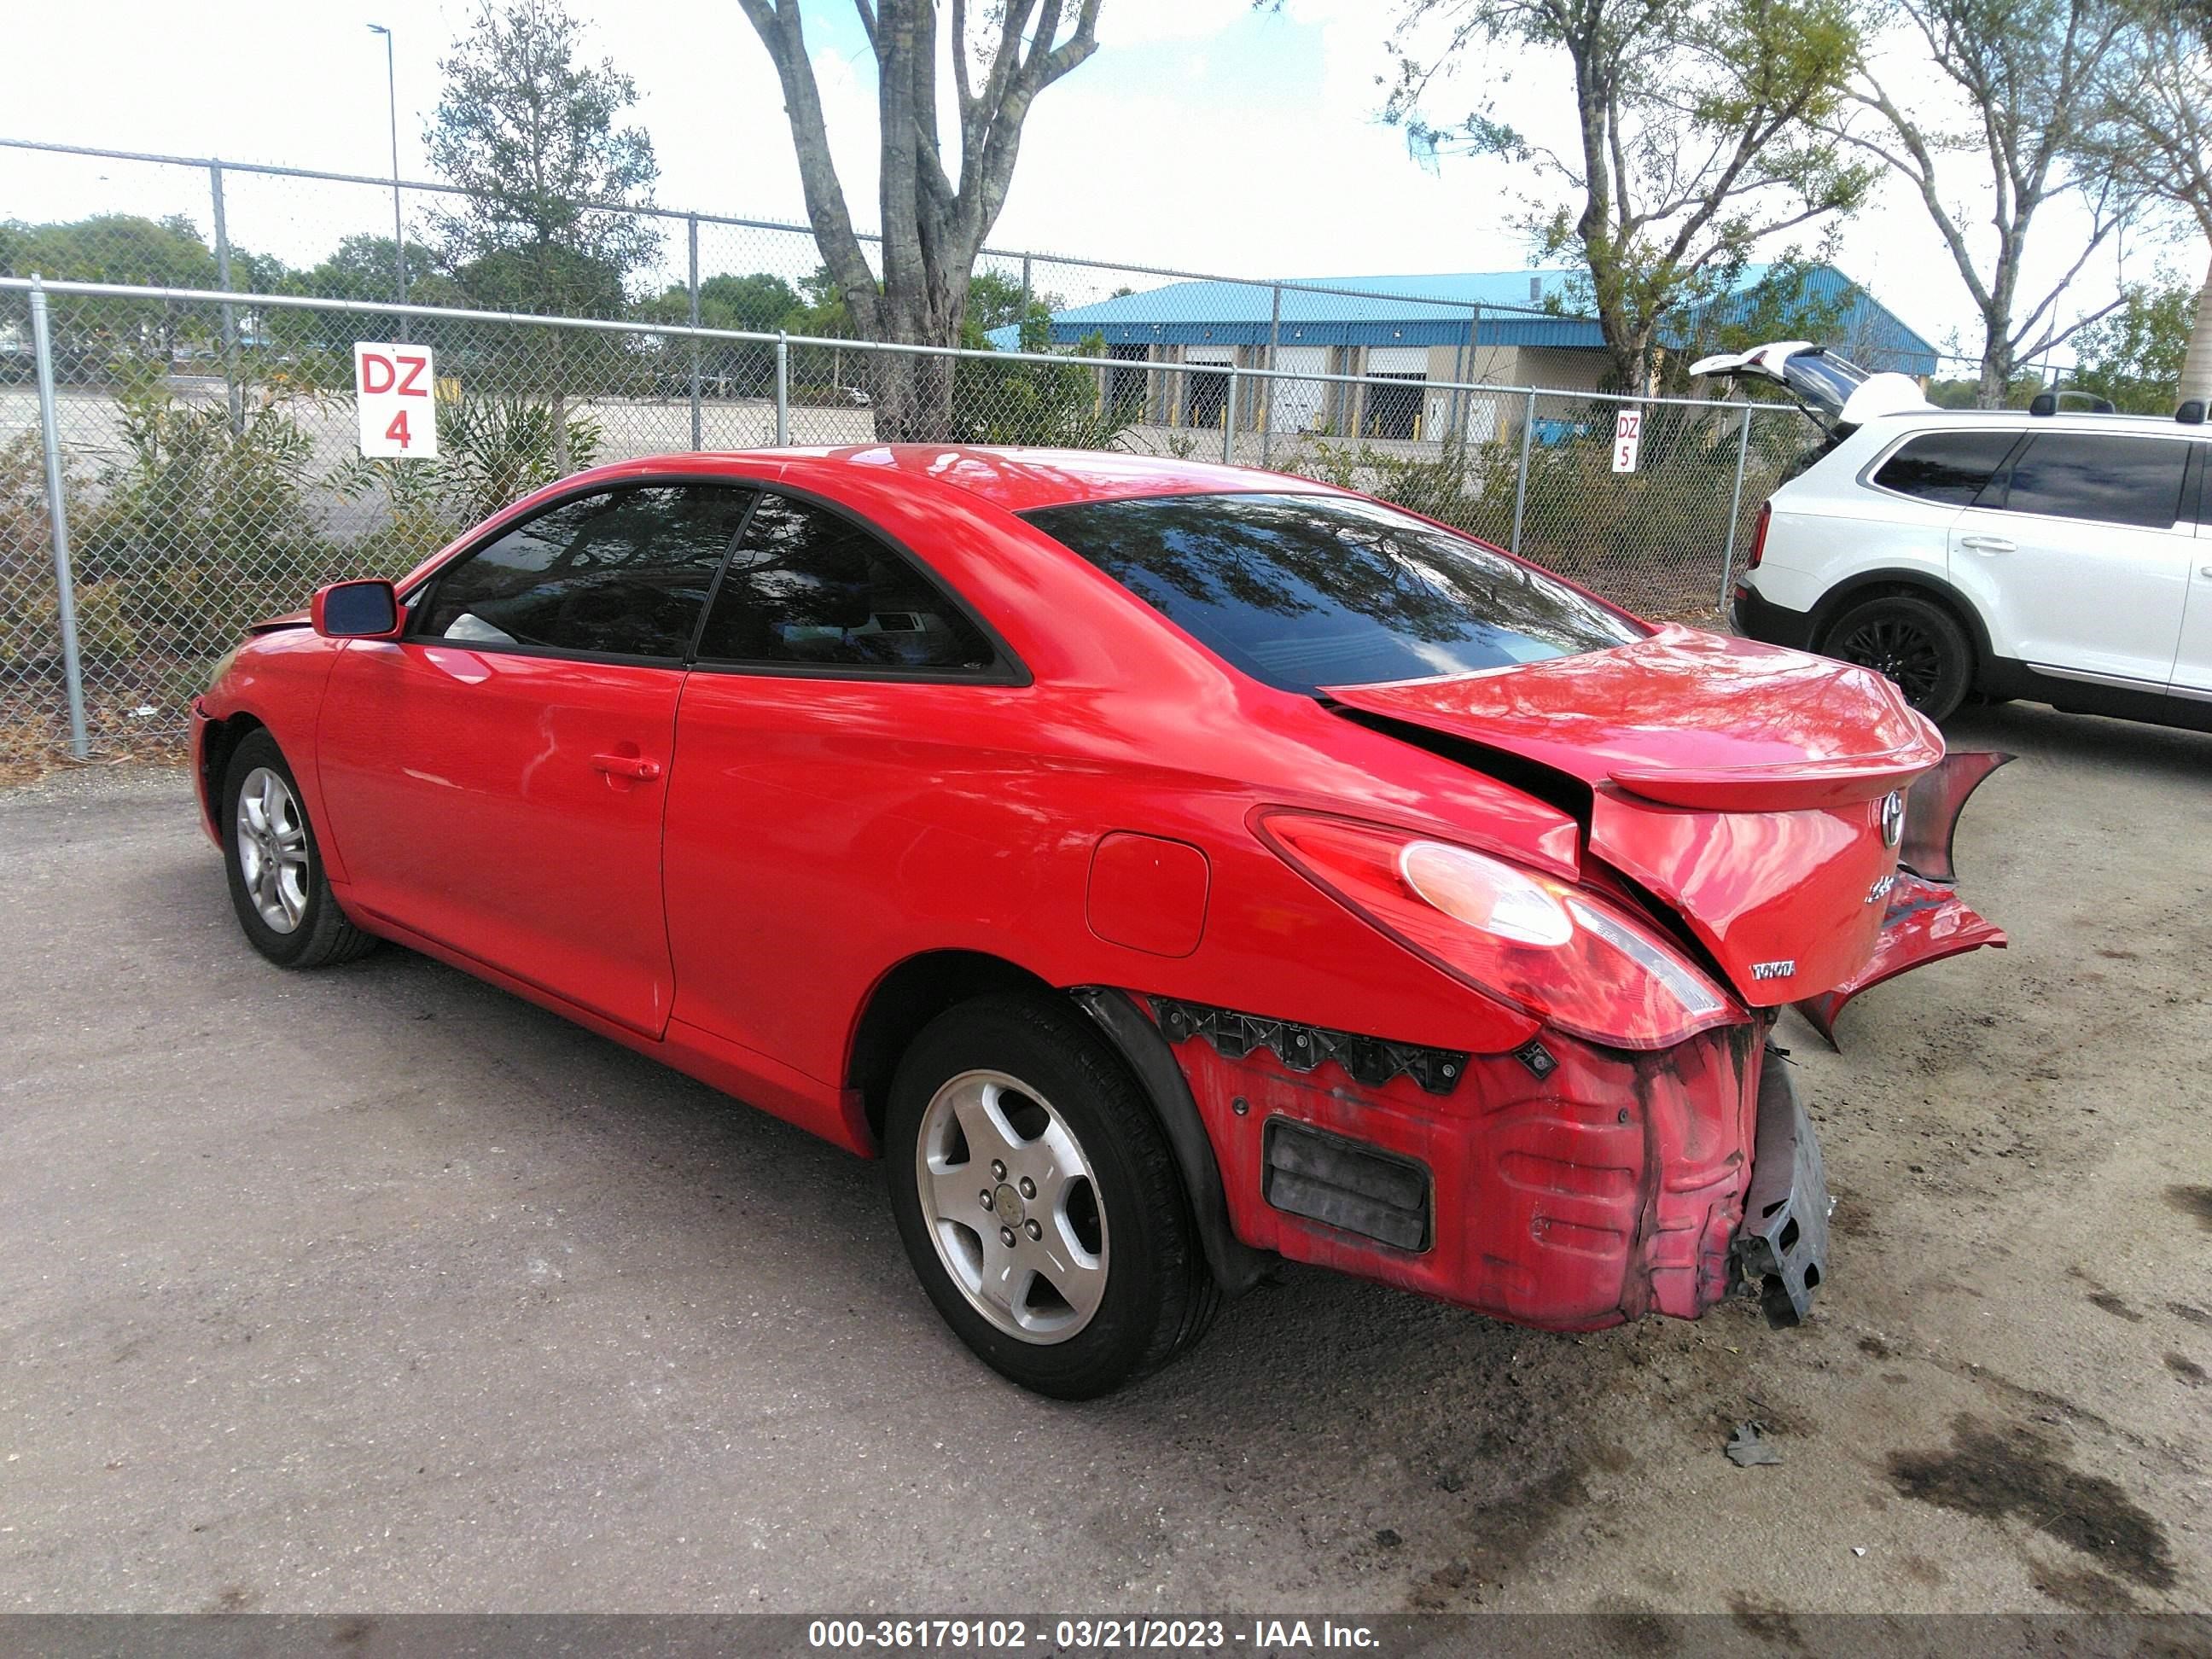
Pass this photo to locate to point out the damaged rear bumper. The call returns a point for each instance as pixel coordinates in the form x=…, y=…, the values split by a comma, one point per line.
x=1564, y=1185
x=1925, y=919
x=1782, y=1249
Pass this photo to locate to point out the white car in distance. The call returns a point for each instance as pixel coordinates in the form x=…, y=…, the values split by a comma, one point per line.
x=2055, y=555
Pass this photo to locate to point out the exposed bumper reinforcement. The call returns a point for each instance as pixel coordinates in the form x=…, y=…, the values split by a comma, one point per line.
x=1782, y=1245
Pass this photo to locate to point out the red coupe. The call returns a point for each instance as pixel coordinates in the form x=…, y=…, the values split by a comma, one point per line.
x=1166, y=867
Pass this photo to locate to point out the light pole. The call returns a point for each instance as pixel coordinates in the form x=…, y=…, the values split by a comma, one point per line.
x=398, y=235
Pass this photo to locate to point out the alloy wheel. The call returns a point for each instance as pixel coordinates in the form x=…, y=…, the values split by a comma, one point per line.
x=271, y=842
x=1012, y=1206
x=1900, y=650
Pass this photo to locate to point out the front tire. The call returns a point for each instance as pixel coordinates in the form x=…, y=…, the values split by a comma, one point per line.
x=1914, y=642
x=284, y=904
x=1038, y=1200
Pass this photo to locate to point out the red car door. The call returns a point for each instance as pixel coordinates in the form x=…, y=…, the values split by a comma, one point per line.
x=495, y=780
x=840, y=692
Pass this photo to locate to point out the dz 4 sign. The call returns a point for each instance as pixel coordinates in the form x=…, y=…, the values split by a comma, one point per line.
x=392, y=388
x=1627, y=438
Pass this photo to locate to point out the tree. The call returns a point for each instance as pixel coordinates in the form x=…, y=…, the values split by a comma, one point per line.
x=111, y=247
x=547, y=223
x=2133, y=357
x=2154, y=130
x=2028, y=75
x=1696, y=137
x=760, y=303
x=933, y=221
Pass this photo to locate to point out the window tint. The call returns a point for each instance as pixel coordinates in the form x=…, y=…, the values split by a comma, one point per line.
x=623, y=571
x=1950, y=467
x=2097, y=475
x=809, y=586
x=1307, y=591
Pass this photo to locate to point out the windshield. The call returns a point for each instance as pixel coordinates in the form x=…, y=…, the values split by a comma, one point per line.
x=1302, y=591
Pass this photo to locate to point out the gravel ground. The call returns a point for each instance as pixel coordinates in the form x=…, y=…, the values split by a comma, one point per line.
x=381, y=1290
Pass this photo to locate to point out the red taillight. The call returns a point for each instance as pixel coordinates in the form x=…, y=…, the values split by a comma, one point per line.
x=1758, y=536
x=1553, y=951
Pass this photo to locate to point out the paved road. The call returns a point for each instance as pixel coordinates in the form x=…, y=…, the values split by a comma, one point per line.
x=379, y=1289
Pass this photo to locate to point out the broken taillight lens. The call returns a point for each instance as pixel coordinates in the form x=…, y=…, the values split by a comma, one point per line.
x=1560, y=954
x=1758, y=536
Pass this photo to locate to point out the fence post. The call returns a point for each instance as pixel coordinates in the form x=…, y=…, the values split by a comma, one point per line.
x=1267, y=394
x=1735, y=506
x=1026, y=301
x=1228, y=420
x=58, y=515
x=231, y=390
x=782, y=389
x=1521, y=489
x=698, y=441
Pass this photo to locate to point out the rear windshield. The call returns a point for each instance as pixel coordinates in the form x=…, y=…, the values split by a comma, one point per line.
x=1302, y=591
x=1828, y=382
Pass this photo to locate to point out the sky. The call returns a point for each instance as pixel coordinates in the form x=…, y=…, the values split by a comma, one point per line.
x=1204, y=135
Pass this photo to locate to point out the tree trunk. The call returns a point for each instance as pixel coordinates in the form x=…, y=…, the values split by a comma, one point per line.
x=2196, y=367
x=1997, y=370
x=911, y=394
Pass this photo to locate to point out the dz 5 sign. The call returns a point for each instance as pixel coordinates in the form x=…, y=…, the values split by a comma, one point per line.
x=392, y=388
x=1627, y=439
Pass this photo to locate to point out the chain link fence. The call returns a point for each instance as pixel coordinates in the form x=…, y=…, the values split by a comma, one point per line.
x=203, y=453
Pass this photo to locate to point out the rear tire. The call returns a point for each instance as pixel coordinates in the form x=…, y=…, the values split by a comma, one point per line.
x=1914, y=642
x=284, y=903
x=1038, y=1200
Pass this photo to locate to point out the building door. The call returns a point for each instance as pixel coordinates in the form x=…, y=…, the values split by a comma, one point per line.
x=1206, y=390
x=1300, y=405
x=1394, y=406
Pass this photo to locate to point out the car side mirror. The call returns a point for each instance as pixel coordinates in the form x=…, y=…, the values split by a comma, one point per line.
x=357, y=610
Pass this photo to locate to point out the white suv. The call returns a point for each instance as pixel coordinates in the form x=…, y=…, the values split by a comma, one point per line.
x=2060, y=557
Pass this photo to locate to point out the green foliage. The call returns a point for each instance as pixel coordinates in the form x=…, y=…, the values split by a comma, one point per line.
x=1952, y=393
x=1023, y=403
x=193, y=529
x=1650, y=539
x=492, y=451
x=1700, y=135
x=110, y=247
x=530, y=134
x=756, y=304
x=2133, y=355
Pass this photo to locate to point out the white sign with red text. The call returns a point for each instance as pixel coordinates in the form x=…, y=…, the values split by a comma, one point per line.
x=394, y=388
x=1627, y=438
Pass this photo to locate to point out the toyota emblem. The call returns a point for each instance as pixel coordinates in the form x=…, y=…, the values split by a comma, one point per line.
x=1893, y=817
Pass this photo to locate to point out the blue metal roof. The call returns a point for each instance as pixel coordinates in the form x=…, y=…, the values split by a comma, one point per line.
x=1438, y=309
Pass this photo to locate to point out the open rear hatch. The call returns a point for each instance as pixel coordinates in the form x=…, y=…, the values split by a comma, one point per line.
x=1839, y=395
x=1759, y=793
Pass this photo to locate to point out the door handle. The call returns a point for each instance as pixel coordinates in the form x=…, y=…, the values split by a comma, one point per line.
x=1988, y=544
x=635, y=767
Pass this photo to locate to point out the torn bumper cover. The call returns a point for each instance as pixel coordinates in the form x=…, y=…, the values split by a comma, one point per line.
x=1782, y=1249
x=1926, y=921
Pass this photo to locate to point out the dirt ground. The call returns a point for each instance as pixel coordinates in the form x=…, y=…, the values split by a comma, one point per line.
x=381, y=1290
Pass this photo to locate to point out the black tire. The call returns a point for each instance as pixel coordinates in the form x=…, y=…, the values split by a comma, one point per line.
x=1158, y=1296
x=1914, y=643
x=322, y=936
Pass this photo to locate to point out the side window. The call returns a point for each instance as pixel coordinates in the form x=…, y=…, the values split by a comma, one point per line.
x=624, y=571
x=1946, y=467
x=808, y=587
x=2112, y=477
